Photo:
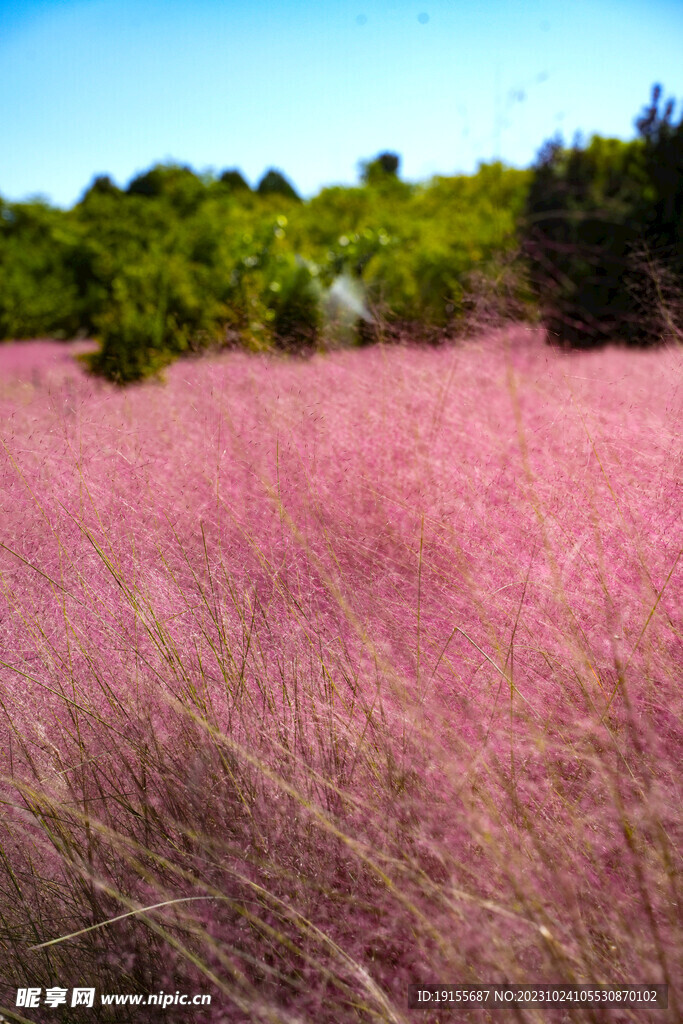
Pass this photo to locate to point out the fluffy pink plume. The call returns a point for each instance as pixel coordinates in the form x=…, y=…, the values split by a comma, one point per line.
x=373, y=659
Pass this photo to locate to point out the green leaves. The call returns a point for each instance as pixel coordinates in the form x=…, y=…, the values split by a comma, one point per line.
x=179, y=261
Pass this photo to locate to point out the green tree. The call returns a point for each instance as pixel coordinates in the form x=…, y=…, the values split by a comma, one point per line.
x=663, y=142
x=38, y=293
x=383, y=167
x=274, y=182
x=102, y=185
x=178, y=184
x=583, y=220
x=234, y=181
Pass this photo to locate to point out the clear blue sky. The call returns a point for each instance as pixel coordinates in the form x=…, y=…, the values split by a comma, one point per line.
x=312, y=86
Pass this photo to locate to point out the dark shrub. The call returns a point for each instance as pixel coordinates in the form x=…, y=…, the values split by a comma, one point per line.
x=158, y=306
x=582, y=223
x=597, y=217
x=296, y=305
x=131, y=349
x=664, y=163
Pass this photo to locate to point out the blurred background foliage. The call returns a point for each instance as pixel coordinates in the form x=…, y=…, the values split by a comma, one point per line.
x=590, y=239
x=603, y=234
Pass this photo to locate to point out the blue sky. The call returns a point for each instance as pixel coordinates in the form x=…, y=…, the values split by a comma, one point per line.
x=313, y=86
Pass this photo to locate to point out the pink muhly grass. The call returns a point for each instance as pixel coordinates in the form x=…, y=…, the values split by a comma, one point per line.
x=367, y=667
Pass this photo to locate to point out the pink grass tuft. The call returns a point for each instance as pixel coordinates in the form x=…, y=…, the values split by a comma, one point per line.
x=376, y=657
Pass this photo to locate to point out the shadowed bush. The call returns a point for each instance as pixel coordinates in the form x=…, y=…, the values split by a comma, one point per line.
x=295, y=302
x=592, y=213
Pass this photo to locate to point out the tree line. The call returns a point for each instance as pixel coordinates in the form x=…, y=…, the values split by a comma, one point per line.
x=589, y=240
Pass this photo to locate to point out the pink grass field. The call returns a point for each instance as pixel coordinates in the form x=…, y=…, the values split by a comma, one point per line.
x=367, y=667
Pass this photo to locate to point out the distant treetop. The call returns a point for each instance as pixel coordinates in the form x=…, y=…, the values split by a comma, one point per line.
x=234, y=180
x=176, y=182
x=274, y=182
x=655, y=124
x=102, y=185
x=383, y=167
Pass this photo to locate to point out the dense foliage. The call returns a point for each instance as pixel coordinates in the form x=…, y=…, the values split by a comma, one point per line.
x=176, y=261
x=604, y=233
x=590, y=238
